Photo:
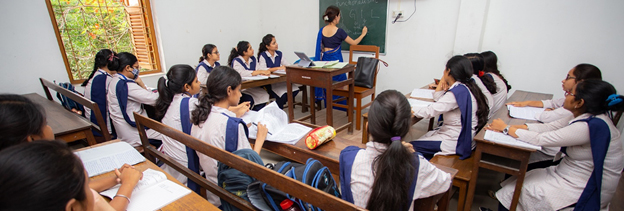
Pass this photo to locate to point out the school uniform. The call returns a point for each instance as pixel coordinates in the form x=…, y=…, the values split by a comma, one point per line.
x=170, y=146
x=203, y=69
x=500, y=97
x=96, y=91
x=213, y=132
x=559, y=187
x=486, y=93
x=278, y=90
x=557, y=113
x=430, y=180
x=256, y=95
x=124, y=92
x=444, y=139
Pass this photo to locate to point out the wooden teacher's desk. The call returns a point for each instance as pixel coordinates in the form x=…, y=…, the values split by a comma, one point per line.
x=67, y=126
x=321, y=78
x=191, y=201
x=518, y=154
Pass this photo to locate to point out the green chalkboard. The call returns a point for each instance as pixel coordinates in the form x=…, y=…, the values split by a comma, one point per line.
x=355, y=14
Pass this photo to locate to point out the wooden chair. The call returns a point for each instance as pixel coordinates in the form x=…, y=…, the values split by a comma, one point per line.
x=358, y=92
x=615, y=118
x=102, y=128
x=293, y=187
x=461, y=179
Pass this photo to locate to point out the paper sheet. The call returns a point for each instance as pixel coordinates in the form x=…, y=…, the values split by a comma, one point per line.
x=524, y=112
x=418, y=103
x=255, y=78
x=508, y=140
x=422, y=93
x=276, y=121
x=106, y=158
x=283, y=72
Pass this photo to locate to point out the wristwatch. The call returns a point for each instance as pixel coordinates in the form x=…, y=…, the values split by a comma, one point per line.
x=506, y=130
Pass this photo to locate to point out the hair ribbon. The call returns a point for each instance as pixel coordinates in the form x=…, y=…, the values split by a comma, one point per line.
x=481, y=73
x=325, y=18
x=614, y=99
x=395, y=138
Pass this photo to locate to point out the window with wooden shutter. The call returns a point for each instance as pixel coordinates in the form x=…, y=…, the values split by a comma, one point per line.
x=83, y=27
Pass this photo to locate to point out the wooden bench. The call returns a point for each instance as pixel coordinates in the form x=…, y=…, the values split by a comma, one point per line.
x=293, y=187
x=461, y=179
x=102, y=128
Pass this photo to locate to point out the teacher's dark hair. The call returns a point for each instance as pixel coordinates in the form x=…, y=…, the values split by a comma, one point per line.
x=595, y=94
x=586, y=71
x=461, y=70
x=240, y=49
x=103, y=58
x=177, y=76
x=207, y=49
x=490, y=61
x=331, y=13
x=477, y=65
x=218, y=81
x=125, y=59
x=41, y=175
x=19, y=118
x=389, y=117
x=266, y=40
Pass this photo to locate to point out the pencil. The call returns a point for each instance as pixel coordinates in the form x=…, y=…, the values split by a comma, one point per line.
x=257, y=126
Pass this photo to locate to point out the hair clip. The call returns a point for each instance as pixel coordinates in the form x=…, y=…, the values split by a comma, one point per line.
x=481, y=73
x=395, y=138
x=613, y=99
x=325, y=18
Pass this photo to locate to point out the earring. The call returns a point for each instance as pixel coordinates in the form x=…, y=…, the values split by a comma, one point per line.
x=575, y=107
x=187, y=90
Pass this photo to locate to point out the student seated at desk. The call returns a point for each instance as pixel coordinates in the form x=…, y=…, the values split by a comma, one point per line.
x=490, y=69
x=242, y=60
x=214, y=124
x=46, y=175
x=96, y=86
x=463, y=107
x=207, y=62
x=587, y=177
x=22, y=121
x=379, y=177
x=485, y=84
x=126, y=95
x=269, y=58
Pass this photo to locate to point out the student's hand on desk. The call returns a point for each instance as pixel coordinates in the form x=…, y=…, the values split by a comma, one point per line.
x=519, y=104
x=129, y=176
x=497, y=125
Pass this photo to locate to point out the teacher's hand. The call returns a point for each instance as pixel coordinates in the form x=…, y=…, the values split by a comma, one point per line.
x=364, y=30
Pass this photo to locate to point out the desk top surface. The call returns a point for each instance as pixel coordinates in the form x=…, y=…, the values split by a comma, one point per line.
x=191, y=201
x=60, y=119
x=349, y=66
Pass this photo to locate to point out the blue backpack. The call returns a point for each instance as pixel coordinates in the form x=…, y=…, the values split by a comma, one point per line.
x=233, y=180
x=68, y=103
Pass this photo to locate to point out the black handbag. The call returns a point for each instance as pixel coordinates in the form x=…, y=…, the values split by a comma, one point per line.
x=366, y=70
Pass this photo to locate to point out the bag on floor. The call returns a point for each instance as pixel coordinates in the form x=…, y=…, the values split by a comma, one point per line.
x=233, y=180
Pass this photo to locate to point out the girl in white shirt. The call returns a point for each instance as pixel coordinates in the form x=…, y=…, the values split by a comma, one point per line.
x=126, y=95
x=382, y=176
x=485, y=84
x=463, y=107
x=173, y=108
x=211, y=119
x=207, y=62
x=593, y=150
x=269, y=58
x=242, y=60
x=96, y=86
x=490, y=69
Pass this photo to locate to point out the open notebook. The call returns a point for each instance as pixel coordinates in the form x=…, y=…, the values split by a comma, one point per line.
x=276, y=121
x=524, y=112
x=508, y=140
x=152, y=192
x=105, y=158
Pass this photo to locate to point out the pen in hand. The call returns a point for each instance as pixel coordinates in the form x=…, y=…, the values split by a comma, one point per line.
x=257, y=126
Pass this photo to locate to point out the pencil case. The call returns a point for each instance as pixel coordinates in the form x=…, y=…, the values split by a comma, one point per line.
x=319, y=136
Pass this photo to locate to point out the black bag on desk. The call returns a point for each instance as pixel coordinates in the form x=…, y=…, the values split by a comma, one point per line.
x=365, y=71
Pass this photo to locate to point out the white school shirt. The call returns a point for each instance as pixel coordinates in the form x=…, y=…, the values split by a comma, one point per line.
x=258, y=94
x=87, y=94
x=202, y=74
x=448, y=133
x=212, y=131
x=500, y=97
x=279, y=88
x=556, y=187
x=136, y=97
x=431, y=180
x=170, y=146
x=486, y=93
x=553, y=115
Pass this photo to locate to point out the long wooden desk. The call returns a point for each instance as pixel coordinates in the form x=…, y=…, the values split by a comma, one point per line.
x=67, y=126
x=191, y=201
x=519, y=154
x=256, y=83
x=322, y=78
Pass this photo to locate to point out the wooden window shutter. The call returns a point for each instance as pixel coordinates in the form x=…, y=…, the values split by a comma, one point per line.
x=142, y=31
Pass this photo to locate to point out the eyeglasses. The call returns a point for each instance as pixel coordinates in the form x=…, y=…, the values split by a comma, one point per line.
x=569, y=94
x=216, y=52
x=568, y=77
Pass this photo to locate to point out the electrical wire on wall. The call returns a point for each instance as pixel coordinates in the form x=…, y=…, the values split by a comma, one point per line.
x=399, y=16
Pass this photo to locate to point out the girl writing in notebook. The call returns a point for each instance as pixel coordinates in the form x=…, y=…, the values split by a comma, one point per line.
x=388, y=174
x=485, y=84
x=269, y=58
x=21, y=121
x=127, y=94
x=46, y=175
x=214, y=124
x=464, y=109
x=96, y=86
x=490, y=71
x=242, y=60
x=587, y=177
x=329, y=40
x=208, y=61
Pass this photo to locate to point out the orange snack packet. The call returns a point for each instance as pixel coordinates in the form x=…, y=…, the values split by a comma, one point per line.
x=319, y=136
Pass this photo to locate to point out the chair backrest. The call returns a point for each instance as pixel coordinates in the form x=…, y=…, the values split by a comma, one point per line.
x=47, y=85
x=615, y=118
x=367, y=49
x=293, y=187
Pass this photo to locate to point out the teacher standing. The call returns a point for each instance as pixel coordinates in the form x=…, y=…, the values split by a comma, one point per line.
x=328, y=43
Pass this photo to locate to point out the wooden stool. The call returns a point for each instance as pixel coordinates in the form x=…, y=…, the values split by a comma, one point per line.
x=462, y=179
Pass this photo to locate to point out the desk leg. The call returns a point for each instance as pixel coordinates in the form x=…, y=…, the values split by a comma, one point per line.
x=329, y=100
x=291, y=104
x=90, y=138
x=365, y=130
x=312, y=105
x=524, y=163
x=350, y=102
x=473, y=178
